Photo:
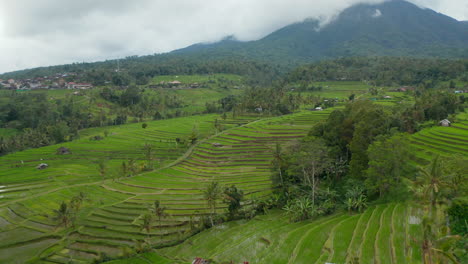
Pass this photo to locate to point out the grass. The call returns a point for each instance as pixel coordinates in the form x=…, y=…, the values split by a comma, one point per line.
x=111, y=217
x=8, y=132
x=112, y=213
x=272, y=239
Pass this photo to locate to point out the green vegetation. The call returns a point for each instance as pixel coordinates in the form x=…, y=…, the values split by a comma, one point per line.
x=272, y=239
x=296, y=172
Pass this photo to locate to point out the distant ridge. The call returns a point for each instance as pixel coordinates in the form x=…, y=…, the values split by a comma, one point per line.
x=393, y=28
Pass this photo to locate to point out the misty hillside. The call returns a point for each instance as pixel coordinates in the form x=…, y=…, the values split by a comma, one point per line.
x=395, y=28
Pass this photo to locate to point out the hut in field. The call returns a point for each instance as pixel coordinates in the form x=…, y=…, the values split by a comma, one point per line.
x=200, y=261
x=42, y=166
x=218, y=145
x=63, y=151
x=445, y=123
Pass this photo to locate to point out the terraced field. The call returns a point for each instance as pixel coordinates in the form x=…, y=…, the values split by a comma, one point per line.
x=382, y=234
x=440, y=140
x=109, y=222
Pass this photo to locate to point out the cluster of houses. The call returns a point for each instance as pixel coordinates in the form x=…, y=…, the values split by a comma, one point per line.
x=46, y=82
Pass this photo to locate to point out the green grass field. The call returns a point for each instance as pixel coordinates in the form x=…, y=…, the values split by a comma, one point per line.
x=110, y=219
x=108, y=225
x=375, y=235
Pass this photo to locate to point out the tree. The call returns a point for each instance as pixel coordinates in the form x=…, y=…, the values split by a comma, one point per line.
x=77, y=201
x=233, y=197
x=431, y=184
x=432, y=187
x=159, y=211
x=312, y=159
x=147, y=223
x=63, y=215
x=211, y=194
x=388, y=162
x=149, y=155
x=278, y=163
x=369, y=121
x=102, y=168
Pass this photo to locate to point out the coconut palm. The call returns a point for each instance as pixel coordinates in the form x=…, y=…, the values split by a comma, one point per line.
x=431, y=186
x=63, y=215
x=211, y=194
x=158, y=211
x=431, y=183
x=278, y=162
x=77, y=201
x=147, y=223
x=438, y=244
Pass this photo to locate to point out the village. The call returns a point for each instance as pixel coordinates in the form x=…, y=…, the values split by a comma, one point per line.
x=58, y=81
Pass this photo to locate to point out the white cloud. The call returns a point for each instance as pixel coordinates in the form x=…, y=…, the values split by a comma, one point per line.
x=377, y=13
x=49, y=32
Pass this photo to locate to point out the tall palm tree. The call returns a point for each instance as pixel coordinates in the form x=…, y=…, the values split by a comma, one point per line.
x=63, y=215
x=211, y=194
x=431, y=182
x=146, y=224
x=430, y=186
x=278, y=161
x=159, y=211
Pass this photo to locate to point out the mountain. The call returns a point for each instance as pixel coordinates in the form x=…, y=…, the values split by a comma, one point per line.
x=393, y=28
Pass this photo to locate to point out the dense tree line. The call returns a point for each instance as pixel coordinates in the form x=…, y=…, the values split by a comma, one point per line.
x=383, y=71
x=362, y=154
x=139, y=70
x=43, y=121
x=364, y=143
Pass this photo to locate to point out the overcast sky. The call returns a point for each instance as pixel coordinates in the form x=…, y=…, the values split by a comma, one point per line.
x=49, y=32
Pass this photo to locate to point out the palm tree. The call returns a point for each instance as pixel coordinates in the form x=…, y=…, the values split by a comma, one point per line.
x=149, y=154
x=102, y=168
x=278, y=161
x=146, y=224
x=77, y=201
x=63, y=215
x=430, y=186
x=158, y=211
x=211, y=194
x=438, y=244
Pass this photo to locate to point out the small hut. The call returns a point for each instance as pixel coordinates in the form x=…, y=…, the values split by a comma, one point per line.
x=445, y=123
x=42, y=166
x=200, y=261
x=218, y=145
x=63, y=151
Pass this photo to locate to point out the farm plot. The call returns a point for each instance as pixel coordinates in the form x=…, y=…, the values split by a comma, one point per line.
x=242, y=159
x=111, y=219
x=272, y=239
x=28, y=196
x=440, y=140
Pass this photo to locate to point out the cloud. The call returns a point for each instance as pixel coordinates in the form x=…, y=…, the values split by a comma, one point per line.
x=48, y=32
x=377, y=13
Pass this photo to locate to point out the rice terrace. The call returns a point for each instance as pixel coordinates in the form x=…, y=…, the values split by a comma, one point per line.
x=339, y=138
